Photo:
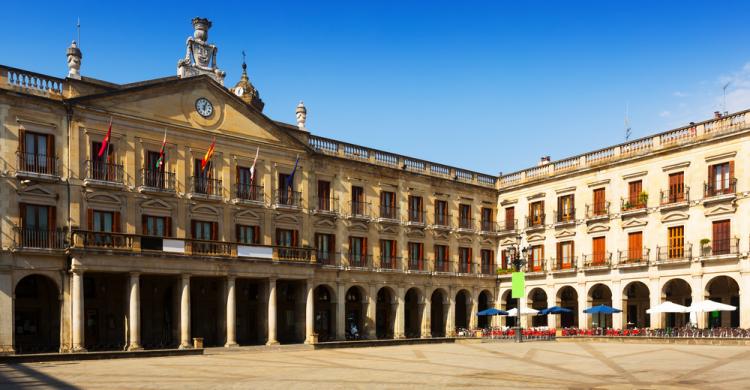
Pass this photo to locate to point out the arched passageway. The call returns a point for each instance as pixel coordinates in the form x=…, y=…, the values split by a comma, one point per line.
x=509, y=303
x=208, y=310
x=159, y=311
x=290, y=311
x=37, y=315
x=567, y=297
x=635, y=302
x=538, y=301
x=438, y=313
x=600, y=294
x=105, y=298
x=484, y=303
x=413, y=313
x=463, y=309
x=723, y=289
x=677, y=291
x=385, y=313
x=355, y=312
x=252, y=311
x=325, y=313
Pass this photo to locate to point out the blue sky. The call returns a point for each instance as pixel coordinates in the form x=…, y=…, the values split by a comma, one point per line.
x=488, y=86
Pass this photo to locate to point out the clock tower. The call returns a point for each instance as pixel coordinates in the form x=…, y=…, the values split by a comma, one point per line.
x=245, y=89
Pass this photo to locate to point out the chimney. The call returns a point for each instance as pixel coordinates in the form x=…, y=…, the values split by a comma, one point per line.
x=717, y=115
x=544, y=160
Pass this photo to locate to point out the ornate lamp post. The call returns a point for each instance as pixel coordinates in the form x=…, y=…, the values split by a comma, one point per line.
x=518, y=259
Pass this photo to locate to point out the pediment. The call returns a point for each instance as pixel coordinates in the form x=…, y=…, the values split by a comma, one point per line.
x=598, y=228
x=156, y=204
x=103, y=198
x=36, y=190
x=487, y=242
x=464, y=240
x=565, y=233
x=508, y=241
x=719, y=209
x=675, y=216
x=535, y=237
x=286, y=218
x=173, y=101
x=388, y=229
x=415, y=233
x=323, y=223
x=205, y=210
x=441, y=235
x=634, y=222
x=248, y=214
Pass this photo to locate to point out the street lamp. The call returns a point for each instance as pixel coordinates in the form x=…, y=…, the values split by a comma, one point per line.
x=518, y=260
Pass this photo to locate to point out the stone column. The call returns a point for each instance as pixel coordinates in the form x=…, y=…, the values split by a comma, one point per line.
x=309, y=314
x=698, y=295
x=654, y=300
x=523, y=319
x=6, y=313
x=583, y=303
x=399, y=325
x=231, y=313
x=185, y=341
x=450, y=321
x=134, y=316
x=77, y=303
x=426, y=318
x=340, y=312
x=371, y=320
x=618, y=319
x=272, y=312
x=553, y=320
x=744, y=300
x=473, y=319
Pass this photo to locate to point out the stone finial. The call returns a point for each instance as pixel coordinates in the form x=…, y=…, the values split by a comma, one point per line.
x=301, y=115
x=200, y=56
x=74, y=61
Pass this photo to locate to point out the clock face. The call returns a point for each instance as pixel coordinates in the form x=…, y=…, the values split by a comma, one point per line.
x=204, y=107
x=239, y=91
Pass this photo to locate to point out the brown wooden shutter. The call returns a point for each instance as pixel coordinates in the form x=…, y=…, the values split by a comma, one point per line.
x=214, y=231
x=22, y=215
x=168, y=227
x=116, y=222
x=711, y=169
x=237, y=236
x=731, y=175
x=50, y=153
x=144, y=224
x=364, y=247
x=90, y=219
x=295, y=238
x=256, y=234
x=192, y=228
x=22, y=143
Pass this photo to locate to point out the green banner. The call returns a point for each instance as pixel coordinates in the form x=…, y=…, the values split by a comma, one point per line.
x=519, y=284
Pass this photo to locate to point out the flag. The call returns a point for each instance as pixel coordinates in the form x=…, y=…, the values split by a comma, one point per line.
x=209, y=154
x=290, y=178
x=105, y=142
x=160, y=161
x=252, y=168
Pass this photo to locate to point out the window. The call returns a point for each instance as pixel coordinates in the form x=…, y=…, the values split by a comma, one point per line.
x=38, y=227
x=37, y=152
x=285, y=186
x=388, y=254
x=635, y=246
x=441, y=258
x=565, y=210
x=721, y=238
x=103, y=168
x=565, y=254
x=416, y=256
x=488, y=219
x=721, y=179
x=287, y=237
x=103, y=222
x=600, y=202
x=676, y=242
x=635, y=201
x=153, y=226
x=358, y=251
x=153, y=176
x=246, y=188
x=488, y=261
x=676, y=188
x=205, y=230
x=464, y=260
x=415, y=209
x=599, y=249
x=358, y=200
x=202, y=183
x=510, y=218
x=324, y=195
x=441, y=213
x=505, y=261
x=464, y=216
x=325, y=248
x=536, y=213
x=247, y=234
x=388, y=205
x=536, y=258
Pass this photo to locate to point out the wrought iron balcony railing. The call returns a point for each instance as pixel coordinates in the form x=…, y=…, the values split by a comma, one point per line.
x=674, y=252
x=465, y=224
x=358, y=260
x=416, y=217
x=38, y=164
x=249, y=192
x=389, y=212
x=105, y=171
x=535, y=221
x=325, y=257
x=388, y=262
x=41, y=238
x=287, y=198
x=637, y=256
x=669, y=197
x=565, y=216
x=721, y=247
x=597, y=210
x=206, y=186
x=326, y=204
x=597, y=260
x=359, y=210
x=564, y=264
x=712, y=188
x=417, y=265
x=632, y=204
x=442, y=221
x=158, y=180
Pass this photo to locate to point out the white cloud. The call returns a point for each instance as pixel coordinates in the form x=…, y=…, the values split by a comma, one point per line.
x=679, y=94
x=665, y=114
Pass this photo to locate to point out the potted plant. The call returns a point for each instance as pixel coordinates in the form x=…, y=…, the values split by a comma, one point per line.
x=643, y=198
x=705, y=248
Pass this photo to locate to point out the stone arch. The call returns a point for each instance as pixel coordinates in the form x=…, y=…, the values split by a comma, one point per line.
x=537, y=299
x=724, y=289
x=439, y=304
x=567, y=297
x=385, y=313
x=355, y=311
x=677, y=290
x=463, y=309
x=413, y=304
x=325, y=312
x=600, y=294
x=636, y=300
x=36, y=314
x=507, y=302
x=484, y=301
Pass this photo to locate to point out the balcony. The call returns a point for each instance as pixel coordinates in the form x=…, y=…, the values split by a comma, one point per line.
x=670, y=198
x=565, y=217
x=633, y=258
x=248, y=193
x=535, y=267
x=293, y=254
x=357, y=260
x=441, y=222
x=104, y=173
x=487, y=269
x=326, y=258
x=633, y=205
x=287, y=200
x=416, y=218
x=442, y=266
x=361, y=211
x=103, y=240
x=597, y=211
x=25, y=238
x=36, y=166
x=535, y=222
x=205, y=188
x=564, y=265
x=674, y=254
x=207, y=247
x=388, y=263
x=326, y=206
x=507, y=227
x=467, y=268
x=488, y=227
x=156, y=181
x=597, y=261
x=417, y=266
x=721, y=249
x=465, y=224
x=720, y=191
x=389, y=214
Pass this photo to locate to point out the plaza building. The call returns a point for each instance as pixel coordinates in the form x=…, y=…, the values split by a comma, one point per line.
x=145, y=215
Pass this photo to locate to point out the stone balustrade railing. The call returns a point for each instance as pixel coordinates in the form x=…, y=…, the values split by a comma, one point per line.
x=378, y=157
x=30, y=82
x=694, y=132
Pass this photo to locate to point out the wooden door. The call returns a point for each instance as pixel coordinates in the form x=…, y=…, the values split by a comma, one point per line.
x=676, y=242
x=635, y=246
x=599, y=249
x=721, y=238
x=600, y=203
x=676, y=187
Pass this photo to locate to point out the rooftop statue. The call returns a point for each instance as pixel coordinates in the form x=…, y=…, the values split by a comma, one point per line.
x=200, y=56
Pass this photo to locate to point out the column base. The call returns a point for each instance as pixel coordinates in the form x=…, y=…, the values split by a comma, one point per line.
x=272, y=342
x=135, y=347
x=399, y=337
x=79, y=349
x=185, y=346
x=426, y=336
x=231, y=345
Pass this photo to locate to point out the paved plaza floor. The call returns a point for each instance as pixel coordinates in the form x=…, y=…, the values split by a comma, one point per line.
x=486, y=365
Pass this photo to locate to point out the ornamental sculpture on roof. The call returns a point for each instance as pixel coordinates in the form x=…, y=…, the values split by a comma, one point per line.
x=200, y=56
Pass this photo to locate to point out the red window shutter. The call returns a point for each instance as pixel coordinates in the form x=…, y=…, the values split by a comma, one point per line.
x=393, y=249
x=90, y=219
x=295, y=238
x=144, y=224
x=168, y=227
x=364, y=247
x=22, y=143
x=711, y=169
x=731, y=173
x=214, y=231
x=256, y=234
x=116, y=222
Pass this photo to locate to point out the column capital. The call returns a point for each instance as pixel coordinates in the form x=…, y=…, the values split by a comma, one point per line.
x=135, y=274
x=77, y=271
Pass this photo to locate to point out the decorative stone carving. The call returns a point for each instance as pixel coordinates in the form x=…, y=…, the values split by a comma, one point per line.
x=200, y=56
x=245, y=90
x=74, y=61
x=301, y=114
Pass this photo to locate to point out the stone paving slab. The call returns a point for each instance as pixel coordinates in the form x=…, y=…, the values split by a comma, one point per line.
x=547, y=365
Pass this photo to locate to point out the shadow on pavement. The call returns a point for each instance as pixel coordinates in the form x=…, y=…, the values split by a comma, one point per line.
x=22, y=376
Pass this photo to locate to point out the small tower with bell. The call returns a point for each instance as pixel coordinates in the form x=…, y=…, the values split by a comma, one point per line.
x=245, y=90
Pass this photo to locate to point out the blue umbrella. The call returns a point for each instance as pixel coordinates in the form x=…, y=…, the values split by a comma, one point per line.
x=554, y=310
x=603, y=309
x=492, y=312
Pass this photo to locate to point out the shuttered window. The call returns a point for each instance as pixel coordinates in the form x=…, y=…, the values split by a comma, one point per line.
x=154, y=226
x=676, y=187
x=324, y=195
x=247, y=234
x=536, y=257
x=635, y=246
x=721, y=238
x=599, y=250
x=565, y=210
x=600, y=202
x=565, y=254
x=676, y=242
x=510, y=218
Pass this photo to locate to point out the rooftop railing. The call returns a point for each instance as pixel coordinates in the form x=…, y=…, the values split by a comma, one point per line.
x=31, y=82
